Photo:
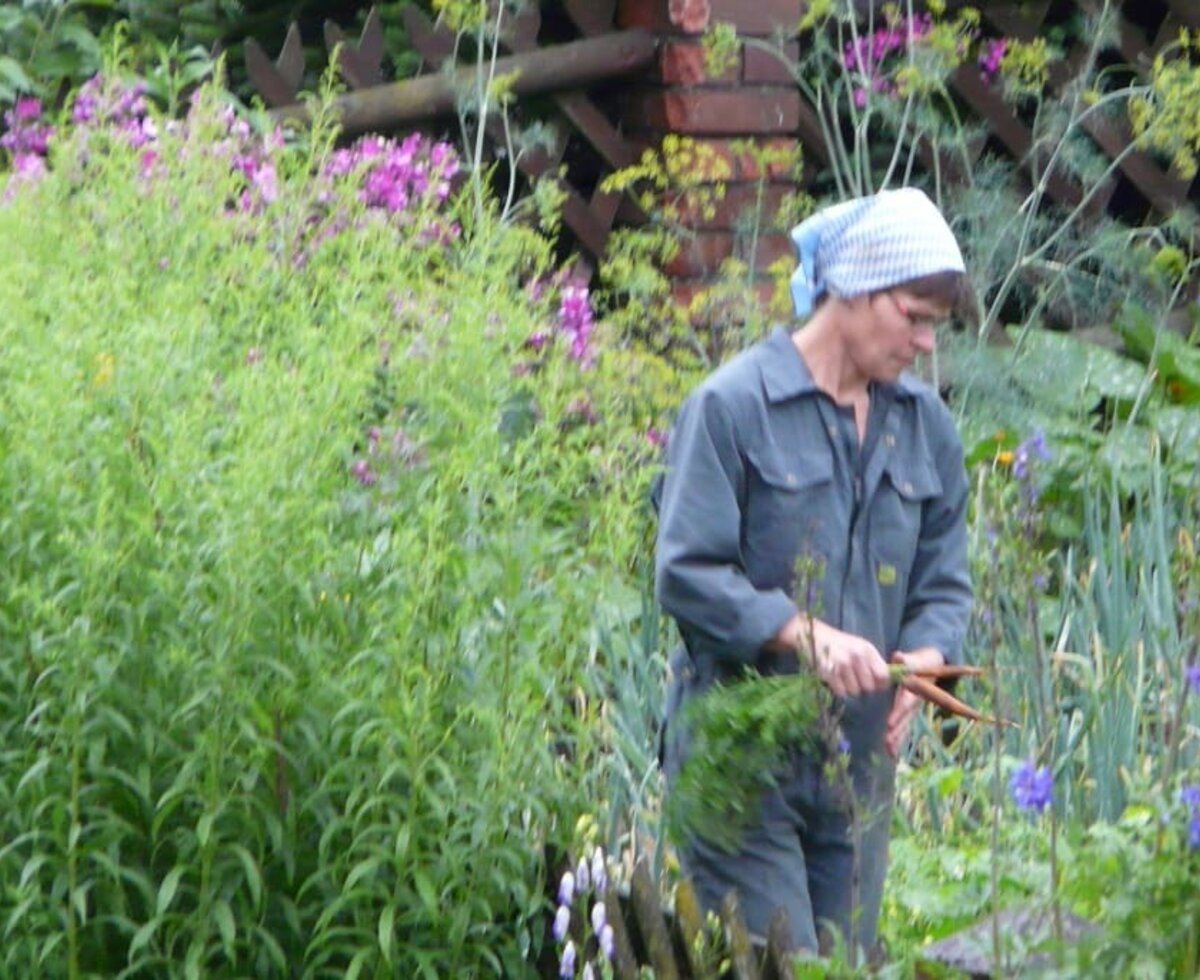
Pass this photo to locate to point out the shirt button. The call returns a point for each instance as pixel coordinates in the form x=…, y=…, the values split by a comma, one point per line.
x=908, y=488
x=889, y=440
x=833, y=431
x=791, y=479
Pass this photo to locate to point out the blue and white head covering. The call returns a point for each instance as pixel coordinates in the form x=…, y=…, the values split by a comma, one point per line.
x=871, y=243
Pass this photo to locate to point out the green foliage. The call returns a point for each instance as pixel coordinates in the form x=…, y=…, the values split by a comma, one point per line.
x=48, y=47
x=263, y=715
x=739, y=735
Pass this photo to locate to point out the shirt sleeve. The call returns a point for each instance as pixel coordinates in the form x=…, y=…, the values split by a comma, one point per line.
x=700, y=577
x=939, y=600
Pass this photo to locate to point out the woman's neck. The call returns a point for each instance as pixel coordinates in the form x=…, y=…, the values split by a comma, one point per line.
x=822, y=344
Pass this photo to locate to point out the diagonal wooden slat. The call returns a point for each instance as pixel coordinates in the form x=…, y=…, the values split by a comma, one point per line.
x=590, y=223
x=278, y=82
x=1187, y=11
x=360, y=62
x=591, y=16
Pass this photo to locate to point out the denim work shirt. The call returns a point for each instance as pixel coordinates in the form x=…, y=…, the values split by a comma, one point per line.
x=763, y=468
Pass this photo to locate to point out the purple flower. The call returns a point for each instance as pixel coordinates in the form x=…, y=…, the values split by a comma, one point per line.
x=575, y=321
x=566, y=965
x=582, y=877
x=656, y=437
x=588, y=972
x=1190, y=797
x=1193, y=678
x=566, y=889
x=27, y=109
x=562, y=923
x=843, y=746
x=599, y=872
x=1032, y=788
x=599, y=917
x=1031, y=448
x=608, y=945
x=394, y=175
x=362, y=472
x=991, y=57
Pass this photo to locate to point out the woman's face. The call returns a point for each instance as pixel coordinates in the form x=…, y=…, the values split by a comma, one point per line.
x=889, y=329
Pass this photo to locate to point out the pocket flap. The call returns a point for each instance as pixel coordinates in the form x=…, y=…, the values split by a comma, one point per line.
x=794, y=472
x=913, y=479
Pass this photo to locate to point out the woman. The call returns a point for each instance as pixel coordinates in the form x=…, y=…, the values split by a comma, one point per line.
x=817, y=444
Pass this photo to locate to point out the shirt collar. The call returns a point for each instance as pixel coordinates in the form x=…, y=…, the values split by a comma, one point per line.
x=785, y=375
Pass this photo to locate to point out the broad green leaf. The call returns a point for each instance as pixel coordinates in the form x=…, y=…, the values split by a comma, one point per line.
x=253, y=875
x=358, y=963
x=143, y=936
x=166, y=891
x=427, y=892
x=12, y=73
x=223, y=915
x=387, y=932
x=1059, y=369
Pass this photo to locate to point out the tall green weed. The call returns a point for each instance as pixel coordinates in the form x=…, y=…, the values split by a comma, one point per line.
x=304, y=547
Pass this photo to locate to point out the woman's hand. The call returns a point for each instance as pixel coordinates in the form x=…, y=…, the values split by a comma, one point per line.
x=848, y=664
x=906, y=704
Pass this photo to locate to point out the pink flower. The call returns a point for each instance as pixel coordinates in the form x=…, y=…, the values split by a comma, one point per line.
x=27, y=110
x=362, y=472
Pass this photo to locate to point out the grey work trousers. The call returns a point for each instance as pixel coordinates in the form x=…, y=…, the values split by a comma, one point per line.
x=816, y=852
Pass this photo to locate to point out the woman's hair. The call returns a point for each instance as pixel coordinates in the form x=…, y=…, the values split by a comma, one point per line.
x=951, y=289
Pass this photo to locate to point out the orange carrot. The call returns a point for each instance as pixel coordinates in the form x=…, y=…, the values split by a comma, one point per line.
x=926, y=689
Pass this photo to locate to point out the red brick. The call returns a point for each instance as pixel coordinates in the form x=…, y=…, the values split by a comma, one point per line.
x=701, y=254
x=686, y=290
x=665, y=16
x=758, y=16
x=742, y=164
x=762, y=68
x=761, y=17
x=745, y=112
x=739, y=200
x=682, y=63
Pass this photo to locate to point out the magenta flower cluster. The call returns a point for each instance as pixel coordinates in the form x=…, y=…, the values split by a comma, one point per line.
x=575, y=321
x=384, y=451
x=26, y=140
x=991, y=56
x=395, y=175
x=587, y=882
x=866, y=55
x=1032, y=787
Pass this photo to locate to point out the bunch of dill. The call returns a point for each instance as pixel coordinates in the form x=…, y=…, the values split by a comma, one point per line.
x=740, y=735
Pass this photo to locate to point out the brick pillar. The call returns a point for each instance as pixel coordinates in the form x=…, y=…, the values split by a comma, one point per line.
x=757, y=99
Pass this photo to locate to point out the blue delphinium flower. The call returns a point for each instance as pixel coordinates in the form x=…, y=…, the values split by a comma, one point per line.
x=562, y=923
x=566, y=889
x=566, y=964
x=608, y=942
x=599, y=872
x=1190, y=797
x=1032, y=788
x=1031, y=448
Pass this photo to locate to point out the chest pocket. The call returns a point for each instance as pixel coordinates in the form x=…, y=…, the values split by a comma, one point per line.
x=904, y=489
x=787, y=507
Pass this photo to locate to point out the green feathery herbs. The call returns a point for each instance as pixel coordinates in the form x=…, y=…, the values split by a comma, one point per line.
x=741, y=733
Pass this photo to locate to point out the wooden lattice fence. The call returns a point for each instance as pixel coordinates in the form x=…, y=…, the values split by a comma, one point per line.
x=621, y=74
